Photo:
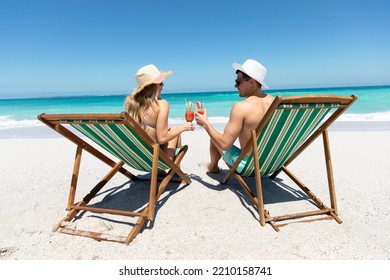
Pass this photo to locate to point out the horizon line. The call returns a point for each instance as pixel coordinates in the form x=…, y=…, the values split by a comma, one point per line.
x=91, y=93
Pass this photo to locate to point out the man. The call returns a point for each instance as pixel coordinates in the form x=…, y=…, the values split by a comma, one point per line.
x=244, y=116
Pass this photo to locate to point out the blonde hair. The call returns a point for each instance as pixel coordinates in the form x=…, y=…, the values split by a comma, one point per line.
x=137, y=105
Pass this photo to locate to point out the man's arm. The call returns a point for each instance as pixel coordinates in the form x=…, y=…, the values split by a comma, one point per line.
x=232, y=129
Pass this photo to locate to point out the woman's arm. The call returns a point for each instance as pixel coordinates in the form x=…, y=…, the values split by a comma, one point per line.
x=163, y=134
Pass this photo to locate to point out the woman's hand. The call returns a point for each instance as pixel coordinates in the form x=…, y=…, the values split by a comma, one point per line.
x=188, y=126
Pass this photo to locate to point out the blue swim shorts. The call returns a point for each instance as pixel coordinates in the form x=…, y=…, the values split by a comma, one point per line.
x=231, y=155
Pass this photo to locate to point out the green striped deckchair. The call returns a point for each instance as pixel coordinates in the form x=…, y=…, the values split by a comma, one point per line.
x=290, y=125
x=123, y=138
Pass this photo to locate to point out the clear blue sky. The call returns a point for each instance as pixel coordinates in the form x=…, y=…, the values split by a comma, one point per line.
x=97, y=46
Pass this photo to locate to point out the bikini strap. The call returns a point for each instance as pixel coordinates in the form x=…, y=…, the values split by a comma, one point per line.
x=145, y=122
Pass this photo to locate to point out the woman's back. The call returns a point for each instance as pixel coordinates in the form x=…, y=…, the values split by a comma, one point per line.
x=151, y=112
x=149, y=123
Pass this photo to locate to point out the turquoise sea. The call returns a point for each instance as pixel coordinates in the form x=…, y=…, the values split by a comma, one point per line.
x=373, y=104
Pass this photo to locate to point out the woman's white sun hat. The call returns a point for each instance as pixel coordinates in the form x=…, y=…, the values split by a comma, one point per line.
x=253, y=69
x=148, y=75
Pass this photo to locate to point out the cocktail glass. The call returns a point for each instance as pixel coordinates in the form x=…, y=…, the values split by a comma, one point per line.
x=189, y=116
x=199, y=107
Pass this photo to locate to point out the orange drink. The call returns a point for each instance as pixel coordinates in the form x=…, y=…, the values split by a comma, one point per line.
x=199, y=107
x=189, y=116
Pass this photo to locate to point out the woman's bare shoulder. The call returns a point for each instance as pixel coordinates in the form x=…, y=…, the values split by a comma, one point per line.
x=163, y=102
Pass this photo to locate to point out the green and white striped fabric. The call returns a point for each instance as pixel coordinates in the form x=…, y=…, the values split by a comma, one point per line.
x=287, y=129
x=123, y=142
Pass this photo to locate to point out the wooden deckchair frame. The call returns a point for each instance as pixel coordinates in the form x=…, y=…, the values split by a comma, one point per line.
x=257, y=199
x=58, y=122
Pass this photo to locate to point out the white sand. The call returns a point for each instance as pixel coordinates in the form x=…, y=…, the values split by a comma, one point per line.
x=205, y=220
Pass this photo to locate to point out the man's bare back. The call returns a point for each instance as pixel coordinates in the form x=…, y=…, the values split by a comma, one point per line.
x=244, y=116
x=254, y=109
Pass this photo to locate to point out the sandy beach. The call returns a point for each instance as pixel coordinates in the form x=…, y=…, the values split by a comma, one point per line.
x=202, y=221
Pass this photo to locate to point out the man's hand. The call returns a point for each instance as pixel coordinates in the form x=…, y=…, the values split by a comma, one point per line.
x=202, y=119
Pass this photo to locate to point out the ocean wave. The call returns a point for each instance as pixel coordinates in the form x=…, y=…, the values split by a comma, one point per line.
x=379, y=116
x=10, y=122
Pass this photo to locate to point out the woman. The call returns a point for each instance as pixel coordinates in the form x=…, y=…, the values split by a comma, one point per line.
x=151, y=112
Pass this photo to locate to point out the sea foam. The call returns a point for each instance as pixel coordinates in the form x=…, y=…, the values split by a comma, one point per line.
x=7, y=122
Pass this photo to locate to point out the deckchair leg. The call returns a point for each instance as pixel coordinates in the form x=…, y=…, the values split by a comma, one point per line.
x=260, y=202
x=260, y=206
x=316, y=200
x=177, y=170
x=137, y=227
x=75, y=176
x=73, y=212
x=259, y=187
x=158, y=192
x=153, y=182
x=142, y=220
x=332, y=211
x=155, y=192
x=228, y=175
x=171, y=172
x=329, y=169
